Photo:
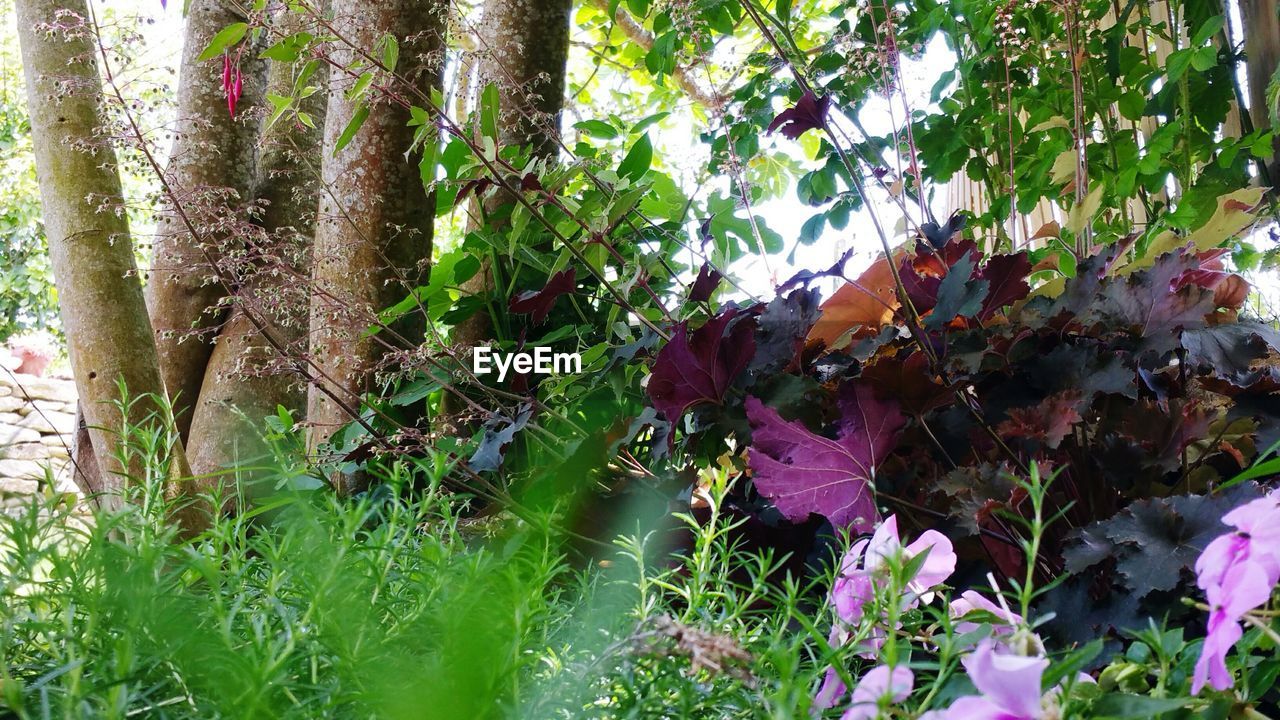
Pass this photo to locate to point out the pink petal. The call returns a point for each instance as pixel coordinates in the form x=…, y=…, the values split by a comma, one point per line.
x=1212, y=665
x=940, y=563
x=830, y=692
x=970, y=601
x=1012, y=682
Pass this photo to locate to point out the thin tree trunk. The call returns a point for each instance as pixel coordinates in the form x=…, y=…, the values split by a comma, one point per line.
x=1262, y=50
x=374, y=232
x=247, y=378
x=100, y=297
x=523, y=49
x=211, y=171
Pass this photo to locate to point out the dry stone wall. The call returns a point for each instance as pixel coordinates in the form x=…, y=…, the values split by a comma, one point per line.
x=37, y=422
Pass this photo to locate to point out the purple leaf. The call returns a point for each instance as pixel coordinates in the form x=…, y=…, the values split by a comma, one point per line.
x=808, y=114
x=707, y=282
x=803, y=473
x=539, y=302
x=691, y=370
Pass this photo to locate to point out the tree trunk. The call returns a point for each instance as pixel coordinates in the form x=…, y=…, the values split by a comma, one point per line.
x=210, y=174
x=1262, y=50
x=374, y=231
x=523, y=49
x=247, y=378
x=100, y=297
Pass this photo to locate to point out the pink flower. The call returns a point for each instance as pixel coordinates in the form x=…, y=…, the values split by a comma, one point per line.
x=232, y=82
x=971, y=601
x=1256, y=539
x=1244, y=587
x=1010, y=687
x=881, y=684
x=1237, y=572
x=863, y=569
x=855, y=586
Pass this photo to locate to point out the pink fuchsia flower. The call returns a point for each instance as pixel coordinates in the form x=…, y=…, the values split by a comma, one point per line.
x=1244, y=587
x=1010, y=687
x=880, y=686
x=971, y=601
x=232, y=82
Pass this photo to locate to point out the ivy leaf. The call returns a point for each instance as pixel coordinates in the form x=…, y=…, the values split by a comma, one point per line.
x=810, y=113
x=804, y=473
x=539, y=302
x=499, y=431
x=692, y=370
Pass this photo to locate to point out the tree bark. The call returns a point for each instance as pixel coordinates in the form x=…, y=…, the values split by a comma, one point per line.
x=1262, y=50
x=374, y=231
x=210, y=174
x=100, y=297
x=247, y=377
x=523, y=49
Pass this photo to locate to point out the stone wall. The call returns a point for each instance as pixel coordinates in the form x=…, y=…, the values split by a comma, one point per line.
x=37, y=420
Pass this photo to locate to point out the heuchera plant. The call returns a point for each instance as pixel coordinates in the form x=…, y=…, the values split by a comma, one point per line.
x=1133, y=379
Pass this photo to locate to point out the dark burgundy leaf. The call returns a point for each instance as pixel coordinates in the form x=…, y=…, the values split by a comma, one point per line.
x=804, y=277
x=539, y=302
x=1007, y=277
x=804, y=473
x=781, y=330
x=1047, y=423
x=706, y=283
x=1151, y=305
x=810, y=113
x=910, y=382
x=939, y=235
x=699, y=368
x=1230, y=350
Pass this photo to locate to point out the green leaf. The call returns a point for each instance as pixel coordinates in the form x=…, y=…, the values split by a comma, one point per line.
x=1204, y=58
x=1132, y=104
x=489, y=112
x=1081, y=214
x=390, y=53
x=638, y=160
x=362, y=84
x=597, y=128
x=812, y=229
x=1208, y=30
x=288, y=49
x=353, y=126
x=661, y=58
x=1134, y=706
x=1175, y=65
x=1071, y=664
x=226, y=37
